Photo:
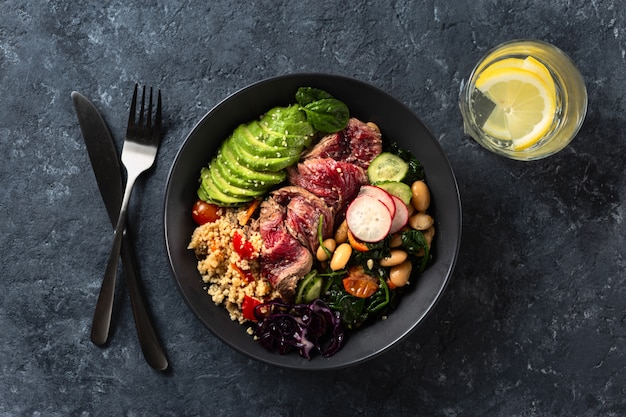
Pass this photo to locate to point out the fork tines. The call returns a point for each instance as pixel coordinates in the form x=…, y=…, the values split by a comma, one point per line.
x=136, y=130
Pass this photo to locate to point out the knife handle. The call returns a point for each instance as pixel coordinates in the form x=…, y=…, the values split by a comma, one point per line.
x=101, y=323
x=148, y=339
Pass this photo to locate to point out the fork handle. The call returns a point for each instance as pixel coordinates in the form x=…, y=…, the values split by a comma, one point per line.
x=150, y=344
x=104, y=306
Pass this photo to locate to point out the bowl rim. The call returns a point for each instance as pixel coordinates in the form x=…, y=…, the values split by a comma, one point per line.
x=318, y=363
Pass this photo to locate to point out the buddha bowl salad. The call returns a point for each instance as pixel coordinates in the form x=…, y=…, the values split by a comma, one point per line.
x=310, y=225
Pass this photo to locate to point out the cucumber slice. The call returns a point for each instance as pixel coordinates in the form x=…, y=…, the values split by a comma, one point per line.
x=397, y=188
x=387, y=167
x=309, y=288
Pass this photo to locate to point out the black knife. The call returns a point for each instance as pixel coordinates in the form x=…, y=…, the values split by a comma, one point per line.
x=106, y=167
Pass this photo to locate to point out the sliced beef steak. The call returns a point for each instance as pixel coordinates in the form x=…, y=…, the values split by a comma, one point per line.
x=304, y=210
x=283, y=258
x=358, y=143
x=336, y=182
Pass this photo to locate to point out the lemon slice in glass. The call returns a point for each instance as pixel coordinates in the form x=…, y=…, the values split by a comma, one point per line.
x=529, y=63
x=525, y=102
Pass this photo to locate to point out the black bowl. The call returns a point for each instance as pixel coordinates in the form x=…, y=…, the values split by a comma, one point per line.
x=398, y=123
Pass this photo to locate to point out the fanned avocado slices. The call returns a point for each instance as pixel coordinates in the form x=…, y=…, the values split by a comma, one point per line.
x=253, y=159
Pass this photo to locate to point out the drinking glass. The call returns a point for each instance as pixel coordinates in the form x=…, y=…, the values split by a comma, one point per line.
x=569, y=93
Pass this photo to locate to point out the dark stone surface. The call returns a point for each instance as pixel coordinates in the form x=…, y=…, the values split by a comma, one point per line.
x=533, y=322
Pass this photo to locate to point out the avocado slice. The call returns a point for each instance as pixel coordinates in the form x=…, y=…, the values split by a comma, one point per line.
x=223, y=184
x=250, y=138
x=215, y=195
x=258, y=163
x=299, y=137
x=233, y=178
x=203, y=196
x=242, y=174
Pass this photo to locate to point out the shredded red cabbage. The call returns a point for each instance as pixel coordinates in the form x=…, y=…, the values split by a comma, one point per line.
x=310, y=327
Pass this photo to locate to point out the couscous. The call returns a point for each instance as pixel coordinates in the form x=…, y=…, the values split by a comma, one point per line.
x=230, y=274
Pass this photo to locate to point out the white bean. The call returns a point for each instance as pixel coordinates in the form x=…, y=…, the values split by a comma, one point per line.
x=396, y=257
x=329, y=244
x=421, y=196
x=421, y=221
x=341, y=234
x=341, y=256
x=399, y=275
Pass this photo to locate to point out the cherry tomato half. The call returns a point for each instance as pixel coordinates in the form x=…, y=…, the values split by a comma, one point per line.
x=203, y=212
x=359, y=284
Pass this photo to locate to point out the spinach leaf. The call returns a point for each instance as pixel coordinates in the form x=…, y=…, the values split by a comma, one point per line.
x=379, y=300
x=376, y=251
x=414, y=243
x=351, y=308
x=324, y=112
x=327, y=115
x=287, y=123
x=355, y=311
x=307, y=95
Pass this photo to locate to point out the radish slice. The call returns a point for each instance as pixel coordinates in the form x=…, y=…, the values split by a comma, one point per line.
x=380, y=194
x=368, y=218
x=401, y=217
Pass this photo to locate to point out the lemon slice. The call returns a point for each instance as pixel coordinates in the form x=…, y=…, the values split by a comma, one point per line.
x=525, y=104
x=529, y=63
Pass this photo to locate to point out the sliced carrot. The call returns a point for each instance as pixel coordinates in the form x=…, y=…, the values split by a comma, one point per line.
x=356, y=243
x=254, y=205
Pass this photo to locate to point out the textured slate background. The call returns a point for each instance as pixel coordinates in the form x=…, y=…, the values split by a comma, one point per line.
x=533, y=322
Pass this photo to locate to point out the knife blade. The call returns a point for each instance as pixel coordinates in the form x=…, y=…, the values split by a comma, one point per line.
x=107, y=169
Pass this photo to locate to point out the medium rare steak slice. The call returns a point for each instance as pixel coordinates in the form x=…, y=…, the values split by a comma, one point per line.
x=336, y=182
x=357, y=143
x=283, y=258
x=303, y=215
